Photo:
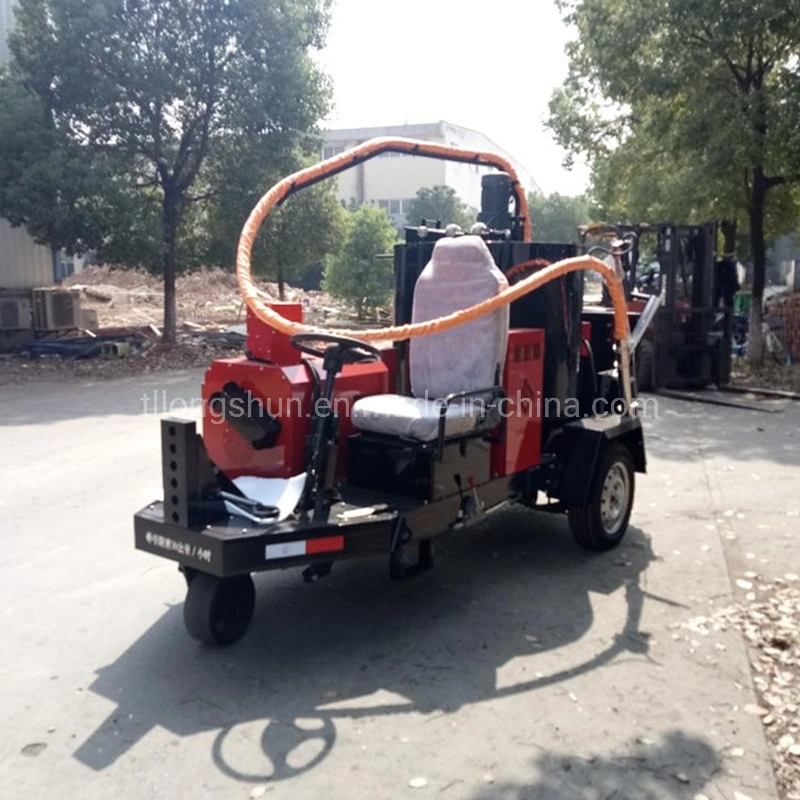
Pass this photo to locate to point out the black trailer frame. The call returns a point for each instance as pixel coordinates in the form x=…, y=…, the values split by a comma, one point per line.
x=191, y=528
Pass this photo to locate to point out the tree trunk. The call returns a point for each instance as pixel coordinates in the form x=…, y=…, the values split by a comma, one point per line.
x=169, y=228
x=758, y=202
x=281, y=293
x=729, y=236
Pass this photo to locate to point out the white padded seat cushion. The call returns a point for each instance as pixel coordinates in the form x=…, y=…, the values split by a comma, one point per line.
x=460, y=274
x=411, y=417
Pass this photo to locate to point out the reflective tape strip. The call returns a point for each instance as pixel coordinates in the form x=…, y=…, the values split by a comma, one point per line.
x=285, y=550
x=327, y=544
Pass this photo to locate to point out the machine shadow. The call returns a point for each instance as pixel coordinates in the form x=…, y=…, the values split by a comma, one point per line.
x=644, y=772
x=319, y=653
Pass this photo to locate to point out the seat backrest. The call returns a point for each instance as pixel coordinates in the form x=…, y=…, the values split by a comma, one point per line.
x=460, y=274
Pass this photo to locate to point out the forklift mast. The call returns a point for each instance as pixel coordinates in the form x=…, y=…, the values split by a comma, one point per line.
x=689, y=343
x=692, y=335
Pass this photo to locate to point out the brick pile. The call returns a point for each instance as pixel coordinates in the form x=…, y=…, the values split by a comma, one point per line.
x=784, y=316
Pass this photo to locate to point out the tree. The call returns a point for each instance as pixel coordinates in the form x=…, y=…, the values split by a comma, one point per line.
x=48, y=182
x=148, y=90
x=310, y=227
x=357, y=275
x=295, y=236
x=556, y=217
x=439, y=203
x=702, y=93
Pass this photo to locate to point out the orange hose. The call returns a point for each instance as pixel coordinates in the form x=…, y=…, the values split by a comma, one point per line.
x=525, y=266
x=374, y=147
x=509, y=295
x=278, y=193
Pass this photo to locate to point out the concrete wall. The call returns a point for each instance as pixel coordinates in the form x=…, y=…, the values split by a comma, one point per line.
x=23, y=263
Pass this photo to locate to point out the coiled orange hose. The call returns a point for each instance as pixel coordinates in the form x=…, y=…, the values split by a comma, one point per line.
x=399, y=333
x=278, y=193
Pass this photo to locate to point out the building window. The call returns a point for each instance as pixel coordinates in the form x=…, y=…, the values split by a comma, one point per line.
x=331, y=150
x=394, y=208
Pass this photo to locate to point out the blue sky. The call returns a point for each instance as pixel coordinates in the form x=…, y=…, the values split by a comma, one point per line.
x=489, y=66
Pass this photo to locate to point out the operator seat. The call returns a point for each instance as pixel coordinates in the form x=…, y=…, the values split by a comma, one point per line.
x=467, y=358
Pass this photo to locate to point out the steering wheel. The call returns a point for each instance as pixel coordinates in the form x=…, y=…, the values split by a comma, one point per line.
x=350, y=351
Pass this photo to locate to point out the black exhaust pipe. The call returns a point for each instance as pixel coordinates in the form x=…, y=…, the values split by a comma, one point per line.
x=496, y=201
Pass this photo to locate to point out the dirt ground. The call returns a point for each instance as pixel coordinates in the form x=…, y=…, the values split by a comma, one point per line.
x=129, y=303
x=151, y=357
x=206, y=297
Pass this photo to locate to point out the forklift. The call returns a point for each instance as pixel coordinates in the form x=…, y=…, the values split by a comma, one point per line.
x=318, y=446
x=681, y=298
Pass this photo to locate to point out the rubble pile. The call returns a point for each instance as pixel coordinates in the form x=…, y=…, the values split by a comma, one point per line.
x=133, y=298
x=785, y=377
x=205, y=298
x=130, y=308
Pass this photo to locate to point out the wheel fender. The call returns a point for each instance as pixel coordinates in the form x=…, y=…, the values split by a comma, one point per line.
x=579, y=447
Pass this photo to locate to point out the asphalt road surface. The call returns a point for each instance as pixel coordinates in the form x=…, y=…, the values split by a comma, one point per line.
x=521, y=667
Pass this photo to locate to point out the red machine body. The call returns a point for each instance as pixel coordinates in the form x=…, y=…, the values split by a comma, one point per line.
x=278, y=378
x=281, y=381
x=521, y=447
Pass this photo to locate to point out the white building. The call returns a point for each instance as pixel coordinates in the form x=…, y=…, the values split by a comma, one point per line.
x=23, y=263
x=392, y=179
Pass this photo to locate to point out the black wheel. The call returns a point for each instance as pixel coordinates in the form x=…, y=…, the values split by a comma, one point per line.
x=218, y=610
x=645, y=366
x=601, y=524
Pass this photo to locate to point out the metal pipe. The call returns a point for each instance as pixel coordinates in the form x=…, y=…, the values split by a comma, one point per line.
x=646, y=319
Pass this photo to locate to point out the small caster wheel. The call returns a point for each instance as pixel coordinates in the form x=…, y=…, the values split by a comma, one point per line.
x=217, y=611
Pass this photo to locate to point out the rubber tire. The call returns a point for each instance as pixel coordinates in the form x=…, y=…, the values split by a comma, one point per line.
x=645, y=366
x=217, y=611
x=585, y=521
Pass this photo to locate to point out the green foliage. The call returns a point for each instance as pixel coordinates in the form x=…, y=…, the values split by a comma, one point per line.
x=556, y=217
x=439, y=203
x=687, y=109
x=356, y=274
x=48, y=182
x=296, y=236
x=310, y=227
x=133, y=101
